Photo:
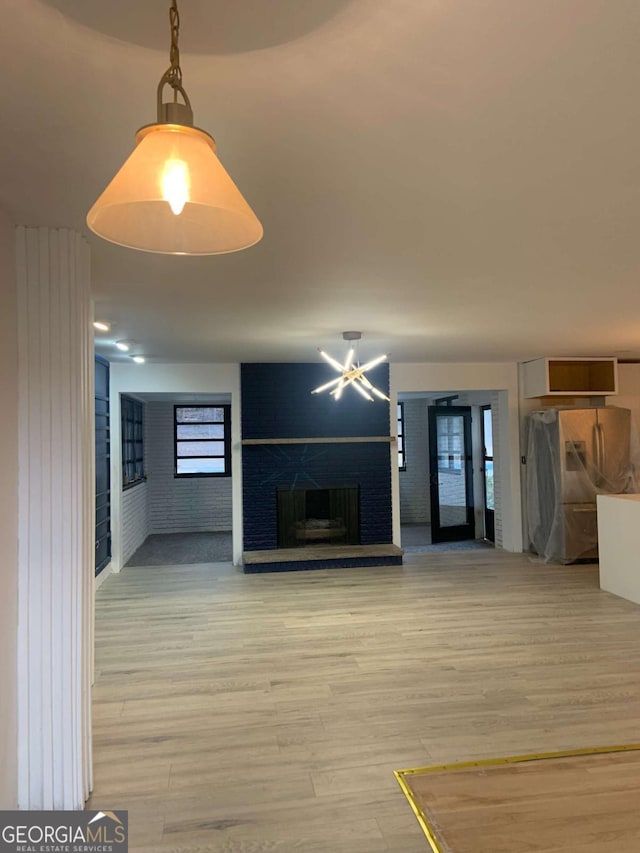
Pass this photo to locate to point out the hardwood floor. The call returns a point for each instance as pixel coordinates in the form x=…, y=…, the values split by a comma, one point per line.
x=237, y=713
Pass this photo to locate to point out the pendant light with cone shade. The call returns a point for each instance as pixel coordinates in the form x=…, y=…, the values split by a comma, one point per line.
x=173, y=195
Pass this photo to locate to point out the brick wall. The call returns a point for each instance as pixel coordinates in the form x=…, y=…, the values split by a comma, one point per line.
x=176, y=505
x=277, y=403
x=135, y=520
x=415, y=501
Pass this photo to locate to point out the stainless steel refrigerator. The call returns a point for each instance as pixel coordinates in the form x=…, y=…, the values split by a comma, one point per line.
x=572, y=456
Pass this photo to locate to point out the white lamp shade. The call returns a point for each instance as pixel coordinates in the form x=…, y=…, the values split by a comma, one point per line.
x=174, y=168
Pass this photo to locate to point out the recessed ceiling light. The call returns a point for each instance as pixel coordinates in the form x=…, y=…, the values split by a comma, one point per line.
x=123, y=345
x=101, y=325
x=139, y=359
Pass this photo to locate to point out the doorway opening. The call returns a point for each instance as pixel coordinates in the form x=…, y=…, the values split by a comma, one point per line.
x=447, y=496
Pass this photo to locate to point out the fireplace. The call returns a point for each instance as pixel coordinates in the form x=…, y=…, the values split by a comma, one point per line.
x=309, y=515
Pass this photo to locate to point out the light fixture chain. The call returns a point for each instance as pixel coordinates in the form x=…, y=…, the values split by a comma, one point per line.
x=175, y=72
x=174, y=112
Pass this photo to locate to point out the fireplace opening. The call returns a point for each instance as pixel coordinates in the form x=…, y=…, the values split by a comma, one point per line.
x=313, y=516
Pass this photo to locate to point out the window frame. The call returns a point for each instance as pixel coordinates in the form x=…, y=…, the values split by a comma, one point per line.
x=400, y=433
x=450, y=468
x=226, y=422
x=103, y=455
x=132, y=412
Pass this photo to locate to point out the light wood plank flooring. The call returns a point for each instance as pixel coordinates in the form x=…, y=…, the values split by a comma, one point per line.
x=236, y=713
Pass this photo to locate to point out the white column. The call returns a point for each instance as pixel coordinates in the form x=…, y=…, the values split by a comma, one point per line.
x=56, y=511
x=8, y=516
x=236, y=471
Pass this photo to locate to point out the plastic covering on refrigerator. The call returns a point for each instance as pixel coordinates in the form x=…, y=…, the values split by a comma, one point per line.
x=570, y=460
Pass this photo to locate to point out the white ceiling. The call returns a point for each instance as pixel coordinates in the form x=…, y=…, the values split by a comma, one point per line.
x=459, y=179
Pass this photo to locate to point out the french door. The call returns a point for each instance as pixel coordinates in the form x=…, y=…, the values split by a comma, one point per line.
x=451, y=481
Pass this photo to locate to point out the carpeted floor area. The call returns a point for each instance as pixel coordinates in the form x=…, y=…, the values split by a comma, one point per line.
x=416, y=539
x=467, y=545
x=163, y=549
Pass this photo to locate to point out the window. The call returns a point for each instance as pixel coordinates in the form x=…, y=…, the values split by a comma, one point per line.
x=402, y=459
x=203, y=441
x=450, y=443
x=132, y=423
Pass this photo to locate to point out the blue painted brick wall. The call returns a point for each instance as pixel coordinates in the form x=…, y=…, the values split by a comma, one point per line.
x=277, y=403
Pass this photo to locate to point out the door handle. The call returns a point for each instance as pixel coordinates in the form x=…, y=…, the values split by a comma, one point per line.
x=599, y=454
x=602, y=453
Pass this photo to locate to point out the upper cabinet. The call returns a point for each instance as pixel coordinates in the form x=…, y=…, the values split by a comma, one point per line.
x=570, y=377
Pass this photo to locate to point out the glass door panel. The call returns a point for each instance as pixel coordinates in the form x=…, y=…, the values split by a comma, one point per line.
x=451, y=482
x=487, y=472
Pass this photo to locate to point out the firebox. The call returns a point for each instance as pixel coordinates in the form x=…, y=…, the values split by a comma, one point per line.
x=318, y=516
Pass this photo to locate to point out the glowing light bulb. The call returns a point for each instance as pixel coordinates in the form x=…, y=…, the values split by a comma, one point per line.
x=175, y=185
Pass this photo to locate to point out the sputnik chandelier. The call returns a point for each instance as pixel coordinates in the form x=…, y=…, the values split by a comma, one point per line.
x=352, y=372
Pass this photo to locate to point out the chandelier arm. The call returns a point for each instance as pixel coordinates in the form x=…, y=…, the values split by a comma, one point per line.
x=373, y=389
x=349, y=359
x=337, y=392
x=332, y=361
x=327, y=385
x=362, y=391
x=374, y=362
x=350, y=377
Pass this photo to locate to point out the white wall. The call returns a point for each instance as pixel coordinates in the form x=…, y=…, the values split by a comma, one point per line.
x=179, y=379
x=628, y=396
x=502, y=378
x=134, y=508
x=188, y=504
x=415, y=499
x=478, y=399
x=134, y=519
x=8, y=517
